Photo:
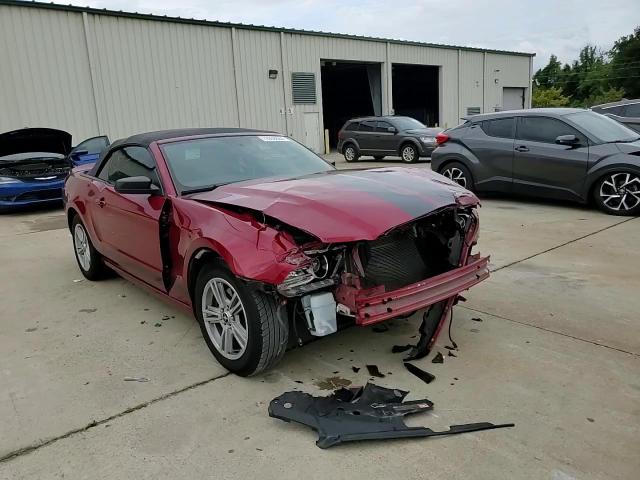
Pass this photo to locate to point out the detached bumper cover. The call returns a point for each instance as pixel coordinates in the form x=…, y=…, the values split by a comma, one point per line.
x=378, y=307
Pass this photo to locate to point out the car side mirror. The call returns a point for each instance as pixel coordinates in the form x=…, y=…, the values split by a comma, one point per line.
x=570, y=140
x=139, y=185
x=80, y=152
x=392, y=130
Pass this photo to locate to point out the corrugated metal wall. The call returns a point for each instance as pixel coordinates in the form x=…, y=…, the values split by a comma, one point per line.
x=93, y=74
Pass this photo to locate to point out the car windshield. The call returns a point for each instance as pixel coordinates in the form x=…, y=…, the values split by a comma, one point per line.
x=602, y=127
x=205, y=163
x=407, y=123
x=29, y=156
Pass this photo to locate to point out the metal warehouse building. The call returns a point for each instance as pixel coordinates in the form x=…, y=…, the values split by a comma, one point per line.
x=91, y=72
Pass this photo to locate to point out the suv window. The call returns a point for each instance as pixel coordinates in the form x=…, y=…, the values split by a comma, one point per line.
x=632, y=110
x=351, y=126
x=383, y=126
x=500, y=127
x=129, y=162
x=367, y=126
x=544, y=129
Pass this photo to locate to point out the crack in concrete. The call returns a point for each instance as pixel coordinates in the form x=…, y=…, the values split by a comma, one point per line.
x=563, y=244
x=43, y=443
x=592, y=342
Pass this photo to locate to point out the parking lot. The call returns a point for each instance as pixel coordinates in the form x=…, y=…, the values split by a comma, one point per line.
x=557, y=352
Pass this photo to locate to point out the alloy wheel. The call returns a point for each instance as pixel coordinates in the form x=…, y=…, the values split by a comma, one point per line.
x=456, y=175
x=81, y=243
x=225, y=318
x=349, y=153
x=408, y=154
x=620, y=191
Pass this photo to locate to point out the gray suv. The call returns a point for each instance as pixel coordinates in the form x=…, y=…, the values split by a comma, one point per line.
x=382, y=136
x=624, y=111
x=561, y=153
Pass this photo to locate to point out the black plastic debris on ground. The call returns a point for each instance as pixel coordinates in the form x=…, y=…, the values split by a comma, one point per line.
x=438, y=358
x=423, y=375
x=401, y=348
x=451, y=354
x=374, y=371
x=366, y=413
x=476, y=319
x=355, y=369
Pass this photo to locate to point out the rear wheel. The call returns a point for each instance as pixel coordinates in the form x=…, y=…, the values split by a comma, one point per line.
x=89, y=260
x=618, y=193
x=458, y=173
x=350, y=152
x=240, y=325
x=409, y=153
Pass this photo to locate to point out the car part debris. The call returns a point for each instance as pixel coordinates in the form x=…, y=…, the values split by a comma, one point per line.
x=438, y=358
x=423, y=375
x=366, y=413
x=432, y=321
x=355, y=369
x=451, y=354
x=374, y=371
x=450, y=347
x=477, y=319
x=401, y=348
x=136, y=379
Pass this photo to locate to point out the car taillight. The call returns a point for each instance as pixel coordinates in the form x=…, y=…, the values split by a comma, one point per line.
x=441, y=138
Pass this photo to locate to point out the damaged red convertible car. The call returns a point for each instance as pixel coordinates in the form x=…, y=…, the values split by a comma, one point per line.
x=267, y=243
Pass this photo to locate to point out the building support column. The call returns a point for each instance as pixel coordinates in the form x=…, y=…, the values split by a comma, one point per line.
x=388, y=77
x=234, y=59
x=284, y=76
x=92, y=74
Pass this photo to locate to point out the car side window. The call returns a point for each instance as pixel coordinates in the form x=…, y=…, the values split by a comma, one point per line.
x=383, y=127
x=93, y=145
x=352, y=126
x=500, y=127
x=632, y=110
x=367, y=126
x=129, y=162
x=545, y=129
x=612, y=110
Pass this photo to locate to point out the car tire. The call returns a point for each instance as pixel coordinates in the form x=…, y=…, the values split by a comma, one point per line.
x=89, y=260
x=458, y=173
x=350, y=152
x=618, y=193
x=378, y=157
x=409, y=153
x=247, y=340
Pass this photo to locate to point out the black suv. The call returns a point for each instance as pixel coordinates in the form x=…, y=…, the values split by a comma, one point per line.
x=624, y=111
x=381, y=136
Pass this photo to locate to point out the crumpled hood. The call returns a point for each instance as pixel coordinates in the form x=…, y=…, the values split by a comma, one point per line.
x=346, y=205
x=35, y=140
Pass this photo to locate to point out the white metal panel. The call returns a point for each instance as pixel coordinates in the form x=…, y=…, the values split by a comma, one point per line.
x=158, y=75
x=260, y=98
x=44, y=74
x=504, y=71
x=471, y=81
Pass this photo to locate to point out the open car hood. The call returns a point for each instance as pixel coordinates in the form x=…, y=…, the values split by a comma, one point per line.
x=345, y=205
x=35, y=140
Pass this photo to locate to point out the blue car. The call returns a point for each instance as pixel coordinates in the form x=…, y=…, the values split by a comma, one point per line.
x=35, y=161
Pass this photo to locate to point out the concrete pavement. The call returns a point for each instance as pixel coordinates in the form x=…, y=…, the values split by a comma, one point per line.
x=557, y=352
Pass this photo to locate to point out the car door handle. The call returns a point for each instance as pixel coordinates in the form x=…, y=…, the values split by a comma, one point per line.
x=522, y=148
x=101, y=202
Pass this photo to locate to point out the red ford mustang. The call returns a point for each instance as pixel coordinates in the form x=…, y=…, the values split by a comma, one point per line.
x=267, y=243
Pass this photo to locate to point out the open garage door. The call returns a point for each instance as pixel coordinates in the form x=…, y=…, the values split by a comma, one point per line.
x=416, y=92
x=349, y=90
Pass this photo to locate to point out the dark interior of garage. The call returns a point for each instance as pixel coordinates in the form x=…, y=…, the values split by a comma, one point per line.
x=348, y=90
x=415, y=92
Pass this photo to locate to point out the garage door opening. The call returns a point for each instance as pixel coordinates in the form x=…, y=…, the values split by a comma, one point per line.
x=416, y=92
x=349, y=90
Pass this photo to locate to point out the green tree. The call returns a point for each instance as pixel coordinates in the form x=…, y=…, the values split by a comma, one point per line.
x=549, y=97
x=625, y=64
x=548, y=76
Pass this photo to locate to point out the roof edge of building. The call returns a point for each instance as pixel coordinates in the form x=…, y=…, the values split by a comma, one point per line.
x=213, y=23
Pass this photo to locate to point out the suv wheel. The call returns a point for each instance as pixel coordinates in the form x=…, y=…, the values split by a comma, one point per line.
x=458, y=173
x=618, y=193
x=409, y=153
x=240, y=325
x=350, y=152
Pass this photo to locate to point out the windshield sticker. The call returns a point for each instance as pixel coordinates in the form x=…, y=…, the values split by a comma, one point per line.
x=272, y=138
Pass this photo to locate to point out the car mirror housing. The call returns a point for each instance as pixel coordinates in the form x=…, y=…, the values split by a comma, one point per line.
x=570, y=140
x=392, y=130
x=136, y=185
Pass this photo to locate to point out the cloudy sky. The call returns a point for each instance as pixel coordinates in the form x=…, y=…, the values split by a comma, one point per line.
x=544, y=27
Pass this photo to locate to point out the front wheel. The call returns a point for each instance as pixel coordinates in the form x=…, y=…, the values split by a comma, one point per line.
x=409, y=153
x=618, y=193
x=241, y=326
x=458, y=173
x=89, y=260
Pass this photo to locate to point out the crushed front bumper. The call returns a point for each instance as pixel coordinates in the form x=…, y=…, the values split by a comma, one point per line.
x=374, y=307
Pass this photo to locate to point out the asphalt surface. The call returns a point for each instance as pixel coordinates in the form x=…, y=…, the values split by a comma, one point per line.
x=557, y=352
